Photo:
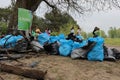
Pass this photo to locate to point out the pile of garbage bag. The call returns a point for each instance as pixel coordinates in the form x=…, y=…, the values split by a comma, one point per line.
x=75, y=47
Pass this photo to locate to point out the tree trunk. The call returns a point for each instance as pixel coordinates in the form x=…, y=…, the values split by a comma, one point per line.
x=27, y=4
x=29, y=73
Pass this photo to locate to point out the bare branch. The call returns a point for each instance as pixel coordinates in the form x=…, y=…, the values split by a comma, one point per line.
x=83, y=6
x=52, y=6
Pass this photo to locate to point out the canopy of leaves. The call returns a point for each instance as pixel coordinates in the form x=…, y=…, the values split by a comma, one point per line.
x=80, y=6
x=54, y=20
x=5, y=14
x=4, y=19
x=3, y=27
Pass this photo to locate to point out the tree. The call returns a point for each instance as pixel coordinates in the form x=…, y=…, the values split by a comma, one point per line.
x=84, y=34
x=80, y=6
x=102, y=34
x=114, y=33
x=55, y=19
x=5, y=14
x=118, y=33
x=66, y=27
x=27, y=4
x=4, y=18
x=3, y=27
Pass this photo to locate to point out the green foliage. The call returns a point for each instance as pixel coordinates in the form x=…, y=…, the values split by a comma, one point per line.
x=90, y=34
x=54, y=33
x=114, y=33
x=66, y=28
x=4, y=18
x=38, y=23
x=3, y=27
x=84, y=34
x=102, y=34
x=5, y=14
x=118, y=33
x=55, y=21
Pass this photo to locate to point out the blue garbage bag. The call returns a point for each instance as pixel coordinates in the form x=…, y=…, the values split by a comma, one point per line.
x=53, y=39
x=3, y=41
x=76, y=45
x=79, y=37
x=61, y=36
x=65, y=47
x=43, y=37
x=97, y=52
x=65, y=50
x=64, y=41
x=18, y=37
x=9, y=41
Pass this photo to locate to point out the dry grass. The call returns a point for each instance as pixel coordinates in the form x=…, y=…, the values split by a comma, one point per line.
x=112, y=41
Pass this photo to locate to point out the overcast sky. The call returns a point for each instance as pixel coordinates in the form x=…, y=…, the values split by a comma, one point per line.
x=104, y=20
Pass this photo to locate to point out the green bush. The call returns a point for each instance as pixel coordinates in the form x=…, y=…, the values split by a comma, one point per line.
x=3, y=27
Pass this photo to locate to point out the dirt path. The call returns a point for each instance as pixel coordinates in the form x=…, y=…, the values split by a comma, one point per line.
x=64, y=68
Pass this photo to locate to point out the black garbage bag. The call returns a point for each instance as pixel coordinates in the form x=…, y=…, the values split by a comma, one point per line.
x=36, y=46
x=109, y=54
x=52, y=48
x=82, y=52
x=21, y=45
x=78, y=53
x=71, y=36
x=116, y=53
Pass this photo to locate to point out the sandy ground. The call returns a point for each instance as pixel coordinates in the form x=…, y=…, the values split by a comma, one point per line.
x=64, y=68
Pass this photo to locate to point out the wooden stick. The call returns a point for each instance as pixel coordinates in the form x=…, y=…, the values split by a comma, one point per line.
x=30, y=73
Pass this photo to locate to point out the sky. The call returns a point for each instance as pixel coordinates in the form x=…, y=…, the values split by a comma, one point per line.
x=103, y=20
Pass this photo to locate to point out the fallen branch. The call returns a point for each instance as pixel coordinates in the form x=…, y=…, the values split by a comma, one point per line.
x=29, y=73
x=10, y=57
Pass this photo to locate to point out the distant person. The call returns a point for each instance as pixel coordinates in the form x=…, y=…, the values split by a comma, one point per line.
x=96, y=32
x=48, y=31
x=71, y=35
x=37, y=32
x=78, y=32
x=72, y=30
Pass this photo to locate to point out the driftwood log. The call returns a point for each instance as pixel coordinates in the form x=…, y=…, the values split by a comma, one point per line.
x=29, y=73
